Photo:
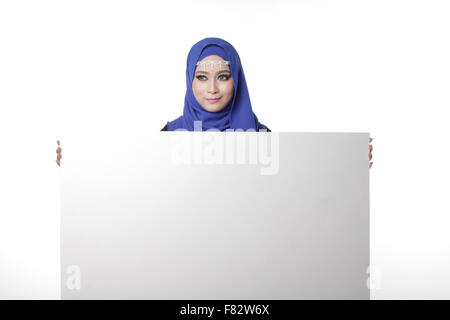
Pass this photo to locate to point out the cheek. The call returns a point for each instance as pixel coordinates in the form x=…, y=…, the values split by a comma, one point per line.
x=228, y=88
x=197, y=88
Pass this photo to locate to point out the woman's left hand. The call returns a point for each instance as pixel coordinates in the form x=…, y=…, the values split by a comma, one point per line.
x=370, y=154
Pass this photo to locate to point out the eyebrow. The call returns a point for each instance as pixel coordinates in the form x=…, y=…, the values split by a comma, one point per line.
x=216, y=72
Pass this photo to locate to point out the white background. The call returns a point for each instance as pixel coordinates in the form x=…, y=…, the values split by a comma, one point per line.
x=68, y=68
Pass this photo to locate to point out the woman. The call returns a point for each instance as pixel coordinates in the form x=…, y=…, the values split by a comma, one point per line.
x=216, y=97
x=216, y=91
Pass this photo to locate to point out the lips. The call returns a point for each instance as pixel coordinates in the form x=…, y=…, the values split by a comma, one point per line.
x=213, y=100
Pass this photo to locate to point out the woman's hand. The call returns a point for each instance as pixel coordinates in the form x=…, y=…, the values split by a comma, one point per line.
x=370, y=154
x=59, y=155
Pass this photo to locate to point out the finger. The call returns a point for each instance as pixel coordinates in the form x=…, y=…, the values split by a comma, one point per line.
x=370, y=148
x=371, y=139
x=58, y=163
x=57, y=141
x=370, y=155
x=370, y=165
x=59, y=157
x=58, y=150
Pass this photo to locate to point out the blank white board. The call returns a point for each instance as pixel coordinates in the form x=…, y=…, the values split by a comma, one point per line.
x=215, y=215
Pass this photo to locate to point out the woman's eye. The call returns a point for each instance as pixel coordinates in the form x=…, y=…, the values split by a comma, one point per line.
x=222, y=77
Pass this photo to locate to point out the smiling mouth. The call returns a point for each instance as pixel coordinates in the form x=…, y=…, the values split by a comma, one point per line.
x=213, y=100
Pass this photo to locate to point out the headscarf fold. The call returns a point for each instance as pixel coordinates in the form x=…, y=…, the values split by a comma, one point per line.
x=237, y=114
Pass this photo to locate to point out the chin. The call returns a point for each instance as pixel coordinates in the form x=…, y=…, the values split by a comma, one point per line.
x=213, y=108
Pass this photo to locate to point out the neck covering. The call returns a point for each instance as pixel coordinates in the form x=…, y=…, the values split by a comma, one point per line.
x=237, y=114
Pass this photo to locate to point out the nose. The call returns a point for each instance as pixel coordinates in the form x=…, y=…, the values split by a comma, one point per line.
x=212, y=87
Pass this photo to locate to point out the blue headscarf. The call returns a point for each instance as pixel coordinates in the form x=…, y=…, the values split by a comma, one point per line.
x=237, y=114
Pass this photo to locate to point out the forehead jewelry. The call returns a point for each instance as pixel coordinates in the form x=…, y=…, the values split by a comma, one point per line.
x=213, y=63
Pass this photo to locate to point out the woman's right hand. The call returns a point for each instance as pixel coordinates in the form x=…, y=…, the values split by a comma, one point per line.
x=59, y=155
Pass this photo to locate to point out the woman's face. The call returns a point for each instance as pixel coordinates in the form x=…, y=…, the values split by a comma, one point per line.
x=213, y=85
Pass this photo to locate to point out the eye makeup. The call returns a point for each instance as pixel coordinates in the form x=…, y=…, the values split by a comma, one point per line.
x=224, y=76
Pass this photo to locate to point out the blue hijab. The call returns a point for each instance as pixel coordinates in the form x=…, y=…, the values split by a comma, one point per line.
x=237, y=114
